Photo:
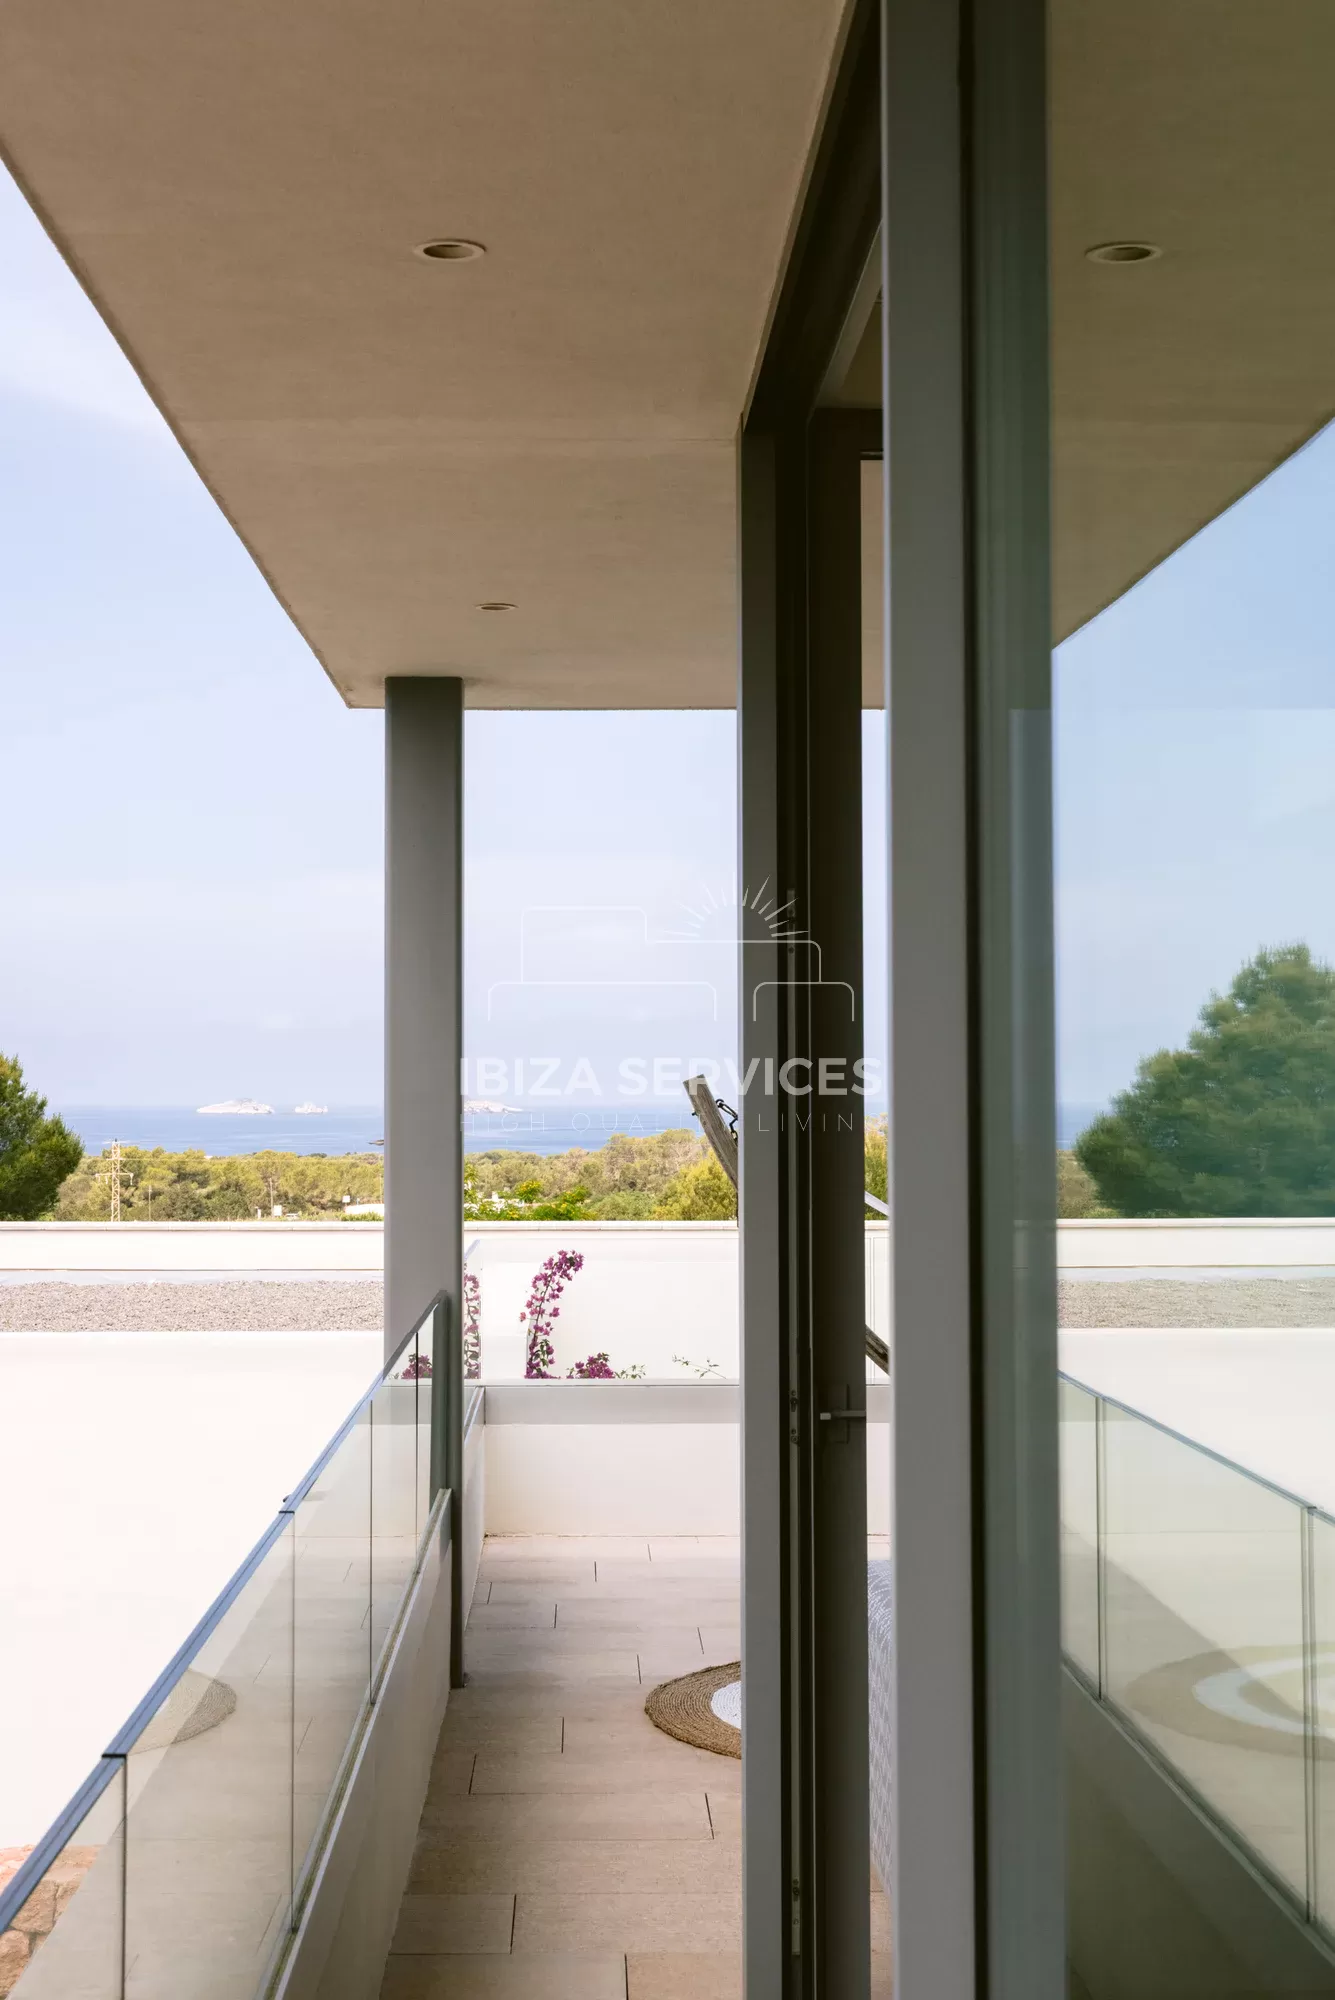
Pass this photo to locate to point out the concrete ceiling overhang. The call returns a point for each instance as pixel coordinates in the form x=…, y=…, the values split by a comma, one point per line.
x=1203, y=127
x=242, y=188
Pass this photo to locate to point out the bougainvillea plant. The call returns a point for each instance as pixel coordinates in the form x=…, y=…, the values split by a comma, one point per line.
x=542, y=1311
x=598, y=1368
x=417, y=1368
x=472, y=1326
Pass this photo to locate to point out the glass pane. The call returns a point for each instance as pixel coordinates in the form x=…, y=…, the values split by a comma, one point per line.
x=209, y=1776
x=1204, y=1632
x=332, y=1639
x=1321, y=1684
x=1193, y=598
x=66, y=1941
x=1079, y=1505
x=393, y=1433
x=424, y=1371
x=876, y=1226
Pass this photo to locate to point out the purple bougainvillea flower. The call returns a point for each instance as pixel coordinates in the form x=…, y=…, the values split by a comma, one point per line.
x=542, y=1310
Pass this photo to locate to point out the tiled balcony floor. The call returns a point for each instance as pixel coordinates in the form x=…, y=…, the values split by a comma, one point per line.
x=568, y=1849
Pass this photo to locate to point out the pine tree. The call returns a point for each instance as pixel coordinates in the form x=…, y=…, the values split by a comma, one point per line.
x=1241, y=1121
x=36, y=1152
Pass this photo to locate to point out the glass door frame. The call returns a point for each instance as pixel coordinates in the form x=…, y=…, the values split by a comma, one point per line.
x=956, y=97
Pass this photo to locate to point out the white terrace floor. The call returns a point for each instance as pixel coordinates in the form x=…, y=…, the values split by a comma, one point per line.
x=569, y=1850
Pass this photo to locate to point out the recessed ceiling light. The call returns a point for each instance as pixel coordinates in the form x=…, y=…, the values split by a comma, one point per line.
x=495, y=604
x=451, y=250
x=1123, y=253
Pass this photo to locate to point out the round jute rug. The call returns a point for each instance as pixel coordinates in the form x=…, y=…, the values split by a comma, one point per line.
x=195, y=1704
x=686, y=1709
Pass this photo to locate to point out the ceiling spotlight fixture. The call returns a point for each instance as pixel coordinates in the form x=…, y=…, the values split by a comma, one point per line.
x=1123, y=253
x=451, y=250
x=495, y=604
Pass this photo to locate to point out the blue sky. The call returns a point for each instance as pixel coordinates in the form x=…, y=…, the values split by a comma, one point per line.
x=1195, y=762
x=192, y=891
x=192, y=897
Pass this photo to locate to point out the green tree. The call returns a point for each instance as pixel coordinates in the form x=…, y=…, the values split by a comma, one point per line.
x=621, y=1181
x=1241, y=1121
x=37, y=1153
x=875, y=1160
x=193, y=1187
x=623, y=1205
x=699, y=1193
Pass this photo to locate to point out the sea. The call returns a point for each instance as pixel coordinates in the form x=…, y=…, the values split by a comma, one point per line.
x=533, y=1128
x=550, y=1128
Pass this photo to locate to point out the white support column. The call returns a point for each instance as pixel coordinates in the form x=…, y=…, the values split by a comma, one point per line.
x=936, y=1846
x=424, y=1046
x=978, y=1886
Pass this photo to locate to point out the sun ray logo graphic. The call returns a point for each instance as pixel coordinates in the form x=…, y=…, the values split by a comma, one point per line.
x=721, y=916
x=760, y=917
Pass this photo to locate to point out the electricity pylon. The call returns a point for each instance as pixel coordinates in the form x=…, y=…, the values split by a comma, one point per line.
x=114, y=1176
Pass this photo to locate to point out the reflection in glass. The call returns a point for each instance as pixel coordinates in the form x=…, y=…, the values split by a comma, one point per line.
x=394, y=1468
x=421, y=1365
x=332, y=1634
x=1079, y=1445
x=1194, y=704
x=876, y=1226
x=1204, y=1630
x=208, y=1871
x=67, y=1941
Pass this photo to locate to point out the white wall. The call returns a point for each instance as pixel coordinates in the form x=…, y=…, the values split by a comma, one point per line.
x=575, y=1458
x=1218, y=1242
x=613, y=1479
x=648, y=1288
x=46, y=1248
x=647, y=1291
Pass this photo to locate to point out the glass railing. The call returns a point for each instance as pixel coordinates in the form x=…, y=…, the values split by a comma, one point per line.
x=183, y=1863
x=1198, y=1603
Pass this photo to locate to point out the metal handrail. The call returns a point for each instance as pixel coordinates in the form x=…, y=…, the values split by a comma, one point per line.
x=17, y=1891
x=1194, y=1444
x=67, y=1821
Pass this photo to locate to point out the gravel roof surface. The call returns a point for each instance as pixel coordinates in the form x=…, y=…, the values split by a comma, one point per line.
x=357, y=1305
x=266, y=1306
x=1197, y=1302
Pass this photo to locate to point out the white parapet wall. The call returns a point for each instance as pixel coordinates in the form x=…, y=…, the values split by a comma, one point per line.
x=648, y=1291
x=168, y=1249
x=634, y=1458
x=1213, y=1243
x=657, y=1296
x=590, y=1458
